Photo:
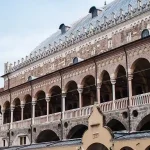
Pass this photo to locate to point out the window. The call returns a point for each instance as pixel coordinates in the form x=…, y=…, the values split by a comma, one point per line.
x=4, y=143
x=129, y=37
x=145, y=33
x=110, y=43
x=23, y=140
x=93, y=11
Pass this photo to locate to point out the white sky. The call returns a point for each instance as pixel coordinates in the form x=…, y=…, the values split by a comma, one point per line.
x=26, y=23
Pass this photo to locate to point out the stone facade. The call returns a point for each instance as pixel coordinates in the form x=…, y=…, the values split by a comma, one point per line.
x=58, y=98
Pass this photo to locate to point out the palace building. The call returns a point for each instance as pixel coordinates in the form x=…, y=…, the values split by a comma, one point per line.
x=85, y=87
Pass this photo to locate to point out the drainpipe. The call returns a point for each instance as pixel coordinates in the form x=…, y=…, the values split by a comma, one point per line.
x=61, y=107
x=31, y=111
x=9, y=108
x=95, y=78
x=126, y=56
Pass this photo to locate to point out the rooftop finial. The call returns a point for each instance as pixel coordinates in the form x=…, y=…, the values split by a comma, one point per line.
x=105, y=3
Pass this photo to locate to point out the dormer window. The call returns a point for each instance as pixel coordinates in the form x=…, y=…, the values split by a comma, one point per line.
x=60, y=41
x=78, y=32
x=94, y=11
x=63, y=28
x=91, y=27
x=145, y=33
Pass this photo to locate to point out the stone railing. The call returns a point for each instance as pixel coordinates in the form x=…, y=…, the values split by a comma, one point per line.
x=21, y=124
x=140, y=99
x=98, y=28
x=121, y=103
x=108, y=106
x=83, y=112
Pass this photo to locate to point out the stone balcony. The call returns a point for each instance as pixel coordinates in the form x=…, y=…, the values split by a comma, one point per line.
x=84, y=112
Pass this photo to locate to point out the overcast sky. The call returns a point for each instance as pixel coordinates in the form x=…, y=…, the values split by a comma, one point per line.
x=26, y=23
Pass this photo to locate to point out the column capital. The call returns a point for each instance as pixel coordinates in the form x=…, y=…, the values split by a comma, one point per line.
x=80, y=86
x=12, y=107
x=33, y=102
x=3, y=111
x=99, y=85
x=47, y=99
x=80, y=90
x=130, y=77
x=22, y=106
x=113, y=81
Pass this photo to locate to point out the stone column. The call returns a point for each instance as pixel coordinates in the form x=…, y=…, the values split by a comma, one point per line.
x=47, y=100
x=80, y=90
x=3, y=111
x=63, y=104
x=22, y=109
x=113, y=82
x=130, y=77
x=33, y=110
x=12, y=115
x=99, y=92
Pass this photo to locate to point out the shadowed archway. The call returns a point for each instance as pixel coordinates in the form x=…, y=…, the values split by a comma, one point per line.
x=144, y=124
x=148, y=148
x=7, y=112
x=97, y=146
x=115, y=125
x=47, y=136
x=77, y=132
x=126, y=148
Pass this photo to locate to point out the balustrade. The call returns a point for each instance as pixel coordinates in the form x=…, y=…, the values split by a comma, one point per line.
x=83, y=112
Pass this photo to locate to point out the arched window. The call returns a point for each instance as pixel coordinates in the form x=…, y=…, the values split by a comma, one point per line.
x=145, y=33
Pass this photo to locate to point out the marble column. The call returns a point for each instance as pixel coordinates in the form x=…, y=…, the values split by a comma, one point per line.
x=99, y=92
x=47, y=100
x=80, y=91
x=22, y=110
x=113, y=82
x=12, y=115
x=63, y=105
x=130, y=77
x=3, y=111
x=33, y=110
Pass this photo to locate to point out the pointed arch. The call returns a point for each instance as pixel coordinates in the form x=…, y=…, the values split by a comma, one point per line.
x=89, y=90
x=72, y=95
x=17, y=109
x=106, y=87
x=55, y=99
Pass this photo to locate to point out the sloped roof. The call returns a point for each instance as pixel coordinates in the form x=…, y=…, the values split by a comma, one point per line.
x=85, y=22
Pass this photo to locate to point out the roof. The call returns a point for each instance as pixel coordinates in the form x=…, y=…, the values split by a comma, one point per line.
x=87, y=21
x=46, y=144
x=124, y=135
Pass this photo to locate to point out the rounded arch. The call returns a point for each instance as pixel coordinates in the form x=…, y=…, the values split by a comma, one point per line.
x=133, y=65
x=47, y=136
x=102, y=75
x=148, y=148
x=27, y=106
x=144, y=124
x=41, y=105
x=55, y=99
x=72, y=95
x=106, y=87
x=77, y=131
x=89, y=90
x=141, y=76
x=97, y=146
x=6, y=108
x=126, y=148
x=116, y=125
x=38, y=93
x=17, y=109
x=121, y=82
